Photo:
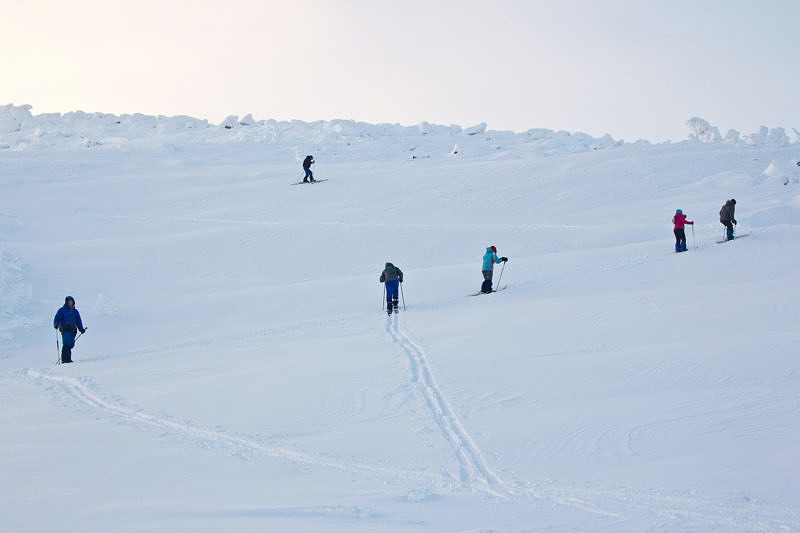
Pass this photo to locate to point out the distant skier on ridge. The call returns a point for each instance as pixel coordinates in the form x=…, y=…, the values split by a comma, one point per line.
x=489, y=259
x=307, y=162
x=391, y=277
x=680, y=235
x=726, y=216
x=68, y=322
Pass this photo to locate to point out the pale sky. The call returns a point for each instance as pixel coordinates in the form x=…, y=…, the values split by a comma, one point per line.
x=631, y=68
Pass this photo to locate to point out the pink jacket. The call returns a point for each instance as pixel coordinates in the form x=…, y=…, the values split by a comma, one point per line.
x=680, y=219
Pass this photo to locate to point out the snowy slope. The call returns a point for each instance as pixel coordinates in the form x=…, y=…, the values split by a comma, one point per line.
x=238, y=374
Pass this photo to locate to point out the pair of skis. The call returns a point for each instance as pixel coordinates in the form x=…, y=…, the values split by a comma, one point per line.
x=734, y=238
x=308, y=182
x=504, y=287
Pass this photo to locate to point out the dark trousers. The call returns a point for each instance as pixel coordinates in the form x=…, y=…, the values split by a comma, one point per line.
x=729, y=226
x=67, y=342
x=309, y=174
x=680, y=235
x=486, y=286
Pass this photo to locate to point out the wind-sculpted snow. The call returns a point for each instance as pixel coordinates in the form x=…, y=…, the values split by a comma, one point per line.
x=21, y=130
x=702, y=131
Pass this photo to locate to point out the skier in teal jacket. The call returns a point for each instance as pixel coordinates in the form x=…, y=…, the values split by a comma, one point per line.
x=489, y=259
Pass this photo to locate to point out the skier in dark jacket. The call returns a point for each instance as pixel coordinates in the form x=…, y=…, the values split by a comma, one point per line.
x=392, y=277
x=68, y=322
x=726, y=217
x=489, y=259
x=307, y=162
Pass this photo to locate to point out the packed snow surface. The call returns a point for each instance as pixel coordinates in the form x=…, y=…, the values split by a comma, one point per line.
x=238, y=373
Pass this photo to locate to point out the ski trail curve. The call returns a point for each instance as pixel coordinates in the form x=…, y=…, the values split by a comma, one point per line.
x=209, y=438
x=474, y=471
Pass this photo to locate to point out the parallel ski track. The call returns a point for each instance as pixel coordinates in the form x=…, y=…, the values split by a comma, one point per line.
x=655, y=508
x=209, y=438
x=475, y=473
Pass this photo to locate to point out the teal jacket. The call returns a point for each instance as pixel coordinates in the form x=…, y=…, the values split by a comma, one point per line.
x=489, y=259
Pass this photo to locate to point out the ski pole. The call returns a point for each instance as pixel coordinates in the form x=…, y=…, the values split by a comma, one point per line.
x=501, y=274
x=58, y=349
x=404, y=296
x=78, y=337
x=694, y=242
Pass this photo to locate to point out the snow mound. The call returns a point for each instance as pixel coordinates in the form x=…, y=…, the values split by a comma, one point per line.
x=16, y=292
x=21, y=130
x=783, y=174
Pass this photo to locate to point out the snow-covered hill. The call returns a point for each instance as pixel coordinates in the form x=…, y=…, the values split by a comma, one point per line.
x=238, y=373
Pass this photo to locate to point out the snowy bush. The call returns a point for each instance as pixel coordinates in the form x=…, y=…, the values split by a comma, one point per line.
x=702, y=131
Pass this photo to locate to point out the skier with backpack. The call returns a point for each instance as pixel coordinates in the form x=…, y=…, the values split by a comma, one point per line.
x=489, y=260
x=68, y=322
x=391, y=277
x=307, y=162
x=726, y=217
x=680, y=235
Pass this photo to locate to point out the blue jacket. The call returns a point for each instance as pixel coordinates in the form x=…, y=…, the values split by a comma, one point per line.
x=68, y=319
x=489, y=259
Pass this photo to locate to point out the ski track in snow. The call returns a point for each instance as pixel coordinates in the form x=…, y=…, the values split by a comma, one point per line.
x=208, y=438
x=474, y=472
x=657, y=508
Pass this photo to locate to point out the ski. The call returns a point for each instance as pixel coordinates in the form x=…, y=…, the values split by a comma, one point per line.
x=504, y=287
x=308, y=182
x=734, y=238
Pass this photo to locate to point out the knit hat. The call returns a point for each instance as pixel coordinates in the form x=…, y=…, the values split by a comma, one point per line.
x=678, y=212
x=493, y=249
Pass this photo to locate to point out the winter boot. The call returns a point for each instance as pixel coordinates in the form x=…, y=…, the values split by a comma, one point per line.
x=683, y=246
x=389, y=306
x=395, y=303
x=486, y=286
x=730, y=234
x=677, y=247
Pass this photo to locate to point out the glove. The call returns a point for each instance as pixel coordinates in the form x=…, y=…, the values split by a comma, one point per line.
x=734, y=222
x=55, y=326
x=504, y=259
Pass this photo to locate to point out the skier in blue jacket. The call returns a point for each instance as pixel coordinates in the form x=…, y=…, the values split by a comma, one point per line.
x=489, y=259
x=68, y=322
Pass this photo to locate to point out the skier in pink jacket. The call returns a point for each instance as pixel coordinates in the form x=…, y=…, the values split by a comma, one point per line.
x=680, y=236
